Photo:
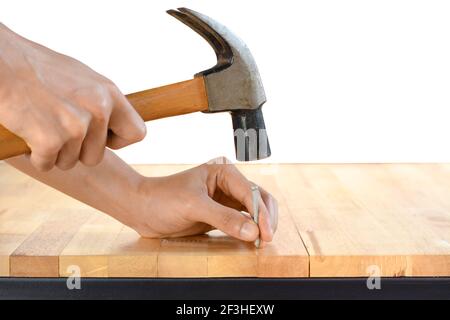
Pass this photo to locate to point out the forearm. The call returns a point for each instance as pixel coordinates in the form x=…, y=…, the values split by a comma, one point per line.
x=108, y=187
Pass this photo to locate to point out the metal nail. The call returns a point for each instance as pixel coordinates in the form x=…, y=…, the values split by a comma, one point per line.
x=255, y=196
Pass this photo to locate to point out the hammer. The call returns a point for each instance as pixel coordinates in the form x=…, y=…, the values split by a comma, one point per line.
x=232, y=85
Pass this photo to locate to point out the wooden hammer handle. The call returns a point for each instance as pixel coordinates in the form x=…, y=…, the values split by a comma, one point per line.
x=171, y=100
x=167, y=101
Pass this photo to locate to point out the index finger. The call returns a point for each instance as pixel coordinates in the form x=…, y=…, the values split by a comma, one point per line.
x=235, y=185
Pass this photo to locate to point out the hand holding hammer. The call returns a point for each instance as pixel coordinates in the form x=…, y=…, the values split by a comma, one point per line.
x=61, y=111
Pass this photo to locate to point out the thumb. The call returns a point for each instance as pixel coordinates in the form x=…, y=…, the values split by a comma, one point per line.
x=228, y=220
x=125, y=123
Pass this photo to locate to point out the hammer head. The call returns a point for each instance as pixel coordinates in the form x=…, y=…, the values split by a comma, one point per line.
x=232, y=85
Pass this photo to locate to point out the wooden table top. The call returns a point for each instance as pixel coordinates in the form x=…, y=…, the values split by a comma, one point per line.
x=335, y=221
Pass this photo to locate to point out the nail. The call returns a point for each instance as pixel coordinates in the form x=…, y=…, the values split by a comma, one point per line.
x=255, y=199
x=249, y=231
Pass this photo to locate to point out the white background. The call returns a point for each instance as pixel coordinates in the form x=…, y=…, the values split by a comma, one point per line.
x=346, y=81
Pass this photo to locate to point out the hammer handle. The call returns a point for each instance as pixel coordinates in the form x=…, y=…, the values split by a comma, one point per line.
x=167, y=101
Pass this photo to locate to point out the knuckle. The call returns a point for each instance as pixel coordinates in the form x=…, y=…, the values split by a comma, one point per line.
x=224, y=160
x=219, y=161
x=222, y=165
x=227, y=221
x=139, y=132
x=111, y=89
x=75, y=125
x=50, y=146
x=108, y=84
x=102, y=108
x=40, y=165
x=101, y=88
x=101, y=112
x=228, y=168
x=77, y=131
x=99, y=102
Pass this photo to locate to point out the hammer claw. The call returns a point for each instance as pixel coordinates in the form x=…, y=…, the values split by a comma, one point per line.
x=193, y=20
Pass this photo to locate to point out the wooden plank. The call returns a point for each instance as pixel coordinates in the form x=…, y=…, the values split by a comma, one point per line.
x=338, y=220
x=14, y=184
x=286, y=255
x=15, y=226
x=229, y=257
x=130, y=255
x=183, y=257
x=360, y=217
x=211, y=255
x=88, y=249
x=409, y=198
x=38, y=255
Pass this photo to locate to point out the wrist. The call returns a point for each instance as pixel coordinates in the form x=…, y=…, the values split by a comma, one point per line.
x=111, y=187
x=135, y=207
x=114, y=191
x=131, y=199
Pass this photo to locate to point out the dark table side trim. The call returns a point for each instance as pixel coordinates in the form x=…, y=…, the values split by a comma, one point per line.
x=225, y=288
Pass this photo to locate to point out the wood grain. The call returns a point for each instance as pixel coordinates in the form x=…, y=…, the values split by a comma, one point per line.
x=15, y=227
x=38, y=255
x=334, y=221
x=286, y=254
x=11, y=145
x=88, y=250
x=132, y=254
x=354, y=218
x=183, y=257
x=171, y=100
x=230, y=258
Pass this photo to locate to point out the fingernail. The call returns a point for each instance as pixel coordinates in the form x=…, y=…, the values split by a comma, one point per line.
x=249, y=231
